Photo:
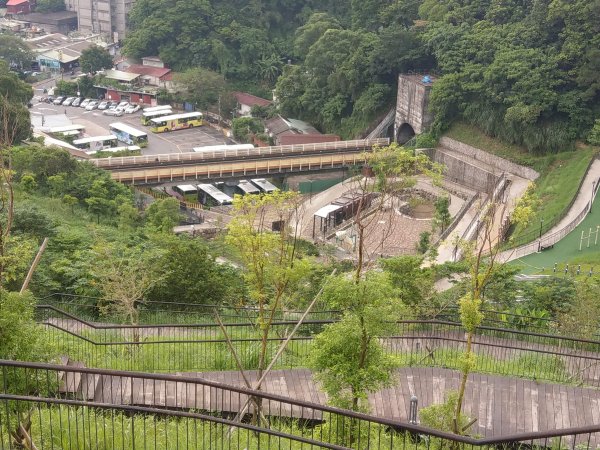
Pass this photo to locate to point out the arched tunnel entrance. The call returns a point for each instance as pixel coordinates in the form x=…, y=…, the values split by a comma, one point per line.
x=405, y=133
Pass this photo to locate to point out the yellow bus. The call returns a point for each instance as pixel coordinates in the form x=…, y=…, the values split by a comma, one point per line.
x=176, y=122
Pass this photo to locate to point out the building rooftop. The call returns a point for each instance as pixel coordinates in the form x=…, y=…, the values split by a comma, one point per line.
x=47, y=42
x=16, y=2
x=147, y=70
x=119, y=75
x=244, y=98
x=52, y=18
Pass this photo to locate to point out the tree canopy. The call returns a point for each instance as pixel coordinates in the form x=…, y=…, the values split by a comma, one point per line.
x=94, y=59
x=527, y=72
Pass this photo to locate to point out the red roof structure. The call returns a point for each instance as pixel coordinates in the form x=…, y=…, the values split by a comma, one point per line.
x=150, y=71
x=18, y=7
x=244, y=98
x=295, y=139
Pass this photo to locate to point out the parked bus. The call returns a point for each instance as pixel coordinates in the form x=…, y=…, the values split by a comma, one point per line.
x=189, y=192
x=96, y=143
x=244, y=187
x=211, y=196
x=264, y=185
x=68, y=130
x=148, y=116
x=218, y=148
x=156, y=108
x=128, y=134
x=176, y=122
x=132, y=149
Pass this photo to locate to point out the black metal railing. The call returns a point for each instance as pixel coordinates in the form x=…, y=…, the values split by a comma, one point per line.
x=55, y=407
x=417, y=343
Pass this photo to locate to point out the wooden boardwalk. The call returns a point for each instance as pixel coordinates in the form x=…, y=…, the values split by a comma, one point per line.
x=502, y=405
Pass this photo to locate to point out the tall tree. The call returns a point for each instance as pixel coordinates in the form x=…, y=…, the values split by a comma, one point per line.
x=94, y=59
x=15, y=52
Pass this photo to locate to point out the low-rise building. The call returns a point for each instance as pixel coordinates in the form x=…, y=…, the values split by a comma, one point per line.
x=56, y=22
x=246, y=101
x=14, y=7
x=293, y=131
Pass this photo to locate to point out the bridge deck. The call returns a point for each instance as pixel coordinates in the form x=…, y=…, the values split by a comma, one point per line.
x=502, y=405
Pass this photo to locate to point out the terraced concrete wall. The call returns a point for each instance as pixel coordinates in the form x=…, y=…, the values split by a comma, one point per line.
x=503, y=165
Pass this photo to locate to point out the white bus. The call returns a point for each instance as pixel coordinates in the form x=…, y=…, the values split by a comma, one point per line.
x=264, y=185
x=68, y=130
x=211, y=196
x=176, y=122
x=156, y=108
x=218, y=148
x=96, y=143
x=128, y=134
x=148, y=116
x=130, y=148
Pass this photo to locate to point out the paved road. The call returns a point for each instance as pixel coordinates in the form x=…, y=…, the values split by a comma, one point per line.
x=97, y=125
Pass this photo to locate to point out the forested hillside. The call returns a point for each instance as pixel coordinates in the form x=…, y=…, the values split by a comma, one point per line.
x=527, y=71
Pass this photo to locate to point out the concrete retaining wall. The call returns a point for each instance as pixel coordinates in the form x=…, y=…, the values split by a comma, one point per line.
x=464, y=173
x=502, y=164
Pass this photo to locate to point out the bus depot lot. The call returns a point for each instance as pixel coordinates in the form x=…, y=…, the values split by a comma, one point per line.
x=96, y=124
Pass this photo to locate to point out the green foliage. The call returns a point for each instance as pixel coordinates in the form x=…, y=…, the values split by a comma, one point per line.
x=414, y=284
x=511, y=69
x=24, y=340
x=162, y=215
x=14, y=51
x=594, y=135
x=424, y=242
x=347, y=356
x=15, y=125
x=442, y=217
x=30, y=220
x=95, y=58
x=191, y=275
x=46, y=6
x=441, y=417
x=205, y=88
x=244, y=127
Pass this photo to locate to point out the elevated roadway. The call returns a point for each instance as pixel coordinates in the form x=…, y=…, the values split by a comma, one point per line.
x=265, y=161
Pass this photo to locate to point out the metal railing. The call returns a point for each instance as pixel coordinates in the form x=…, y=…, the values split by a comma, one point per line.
x=176, y=158
x=549, y=240
x=418, y=343
x=49, y=406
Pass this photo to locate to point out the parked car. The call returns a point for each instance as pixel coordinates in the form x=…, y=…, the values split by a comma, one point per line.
x=113, y=104
x=49, y=99
x=58, y=100
x=77, y=101
x=112, y=112
x=123, y=105
x=69, y=101
x=103, y=105
x=85, y=102
x=132, y=109
x=91, y=105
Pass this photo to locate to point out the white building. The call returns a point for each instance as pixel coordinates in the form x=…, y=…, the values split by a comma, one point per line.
x=107, y=17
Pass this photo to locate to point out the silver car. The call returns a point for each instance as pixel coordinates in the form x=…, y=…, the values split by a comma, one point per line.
x=103, y=105
x=84, y=103
x=91, y=105
x=113, y=112
x=69, y=101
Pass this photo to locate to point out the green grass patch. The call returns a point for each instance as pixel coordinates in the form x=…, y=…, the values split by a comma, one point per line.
x=70, y=427
x=560, y=175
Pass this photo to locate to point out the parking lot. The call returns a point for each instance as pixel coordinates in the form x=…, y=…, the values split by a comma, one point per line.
x=96, y=124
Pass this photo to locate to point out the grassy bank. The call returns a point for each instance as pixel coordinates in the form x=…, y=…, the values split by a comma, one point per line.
x=560, y=175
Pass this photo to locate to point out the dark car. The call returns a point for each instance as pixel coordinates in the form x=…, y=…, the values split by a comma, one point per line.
x=49, y=99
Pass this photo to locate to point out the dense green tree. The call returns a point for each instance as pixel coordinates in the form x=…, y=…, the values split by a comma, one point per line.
x=162, y=215
x=14, y=51
x=347, y=356
x=191, y=275
x=46, y=6
x=94, y=59
x=202, y=87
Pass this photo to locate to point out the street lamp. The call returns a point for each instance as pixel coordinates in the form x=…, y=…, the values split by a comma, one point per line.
x=540, y=237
